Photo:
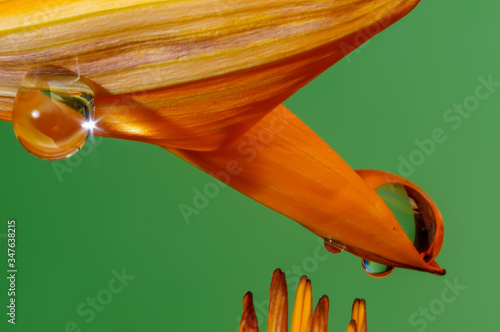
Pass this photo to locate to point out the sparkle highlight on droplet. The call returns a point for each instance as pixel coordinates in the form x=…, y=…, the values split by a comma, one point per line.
x=53, y=112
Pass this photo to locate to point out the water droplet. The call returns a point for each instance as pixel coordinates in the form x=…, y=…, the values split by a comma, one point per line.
x=53, y=112
x=334, y=246
x=413, y=212
x=375, y=269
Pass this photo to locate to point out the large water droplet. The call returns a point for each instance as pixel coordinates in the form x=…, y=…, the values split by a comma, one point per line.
x=413, y=212
x=53, y=112
x=415, y=216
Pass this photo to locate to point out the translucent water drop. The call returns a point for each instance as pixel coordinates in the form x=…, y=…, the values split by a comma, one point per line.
x=375, y=269
x=415, y=216
x=413, y=212
x=53, y=112
x=333, y=246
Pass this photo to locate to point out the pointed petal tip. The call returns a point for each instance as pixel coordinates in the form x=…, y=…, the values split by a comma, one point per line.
x=320, y=317
x=421, y=258
x=278, y=277
x=278, y=303
x=248, y=321
x=434, y=268
x=439, y=271
x=303, y=279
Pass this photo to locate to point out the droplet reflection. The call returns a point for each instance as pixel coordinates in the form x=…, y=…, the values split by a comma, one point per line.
x=375, y=269
x=333, y=246
x=415, y=216
x=53, y=111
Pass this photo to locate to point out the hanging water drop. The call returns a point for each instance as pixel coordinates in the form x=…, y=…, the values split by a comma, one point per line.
x=412, y=211
x=414, y=214
x=53, y=112
x=375, y=269
x=333, y=246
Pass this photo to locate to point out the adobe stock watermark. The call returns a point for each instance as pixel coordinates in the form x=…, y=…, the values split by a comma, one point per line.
x=427, y=314
x=66, y=166
x=308, y=266
x=363, y=37
x=121, y=104
x=248, y=150
x=454, y=118
x=92, y=306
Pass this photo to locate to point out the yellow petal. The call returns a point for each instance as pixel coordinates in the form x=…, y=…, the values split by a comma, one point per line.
x=307, y=313
x=355, y=310
x=359, y=315
x=302, y=310
x=352, y=327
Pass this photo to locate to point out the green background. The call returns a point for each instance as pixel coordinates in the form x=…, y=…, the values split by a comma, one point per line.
x=118, y=208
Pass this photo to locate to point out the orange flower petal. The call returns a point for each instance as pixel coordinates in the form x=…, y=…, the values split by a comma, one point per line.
x=375, y=179
x=307, y=313
x=352, y=327
x=302, y=320
x=302, y=309
x=278, y=303
x=185, y=74
x=201, y=75
x=248, y=318
x=359, y=315
x=283, y=164
x=320, y=318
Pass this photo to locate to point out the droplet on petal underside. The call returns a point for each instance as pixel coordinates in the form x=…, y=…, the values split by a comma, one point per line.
x=333, y=246
x=53, y=112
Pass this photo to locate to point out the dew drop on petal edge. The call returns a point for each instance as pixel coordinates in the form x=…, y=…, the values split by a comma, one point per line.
x=52, y=112
x=415, y=216
x=412, y=211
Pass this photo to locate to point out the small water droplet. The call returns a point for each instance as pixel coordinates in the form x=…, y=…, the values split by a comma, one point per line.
x=375, y=269
x=334, y=246
x=52, y=110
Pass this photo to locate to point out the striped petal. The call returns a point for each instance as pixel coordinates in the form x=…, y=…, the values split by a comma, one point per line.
x=352, y=327
x=248, y=318
x=185, y=74
x=283, y=164
x=359, y=315
x=205, y=80
x=320, y=318
x=278, y=303
x=302, y=309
